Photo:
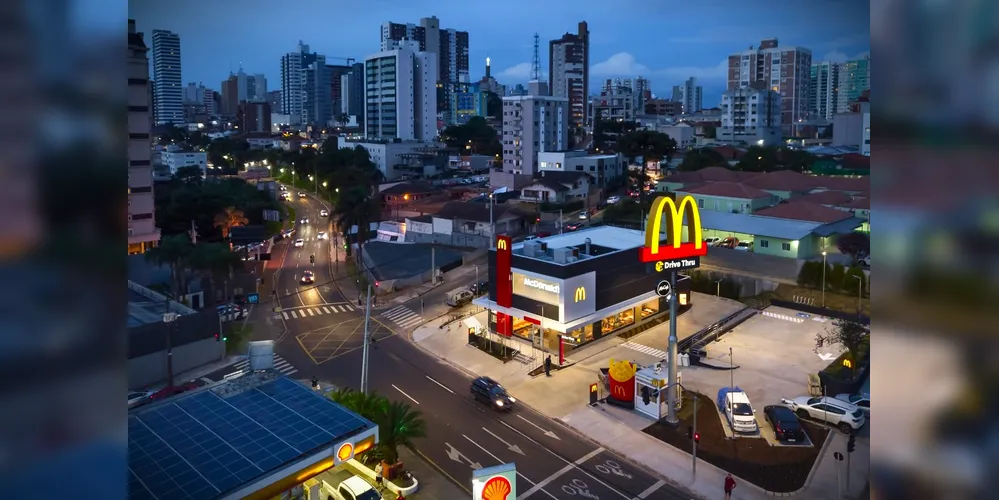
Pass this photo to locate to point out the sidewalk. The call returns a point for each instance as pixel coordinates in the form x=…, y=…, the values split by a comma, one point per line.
x=565, y=396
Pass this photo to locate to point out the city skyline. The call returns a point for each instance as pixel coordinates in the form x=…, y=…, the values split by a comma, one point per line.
x=647, y=45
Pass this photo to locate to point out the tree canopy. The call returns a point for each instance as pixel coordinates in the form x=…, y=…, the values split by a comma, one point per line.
x=476, y=136
x=702, y=158
x=181, y=201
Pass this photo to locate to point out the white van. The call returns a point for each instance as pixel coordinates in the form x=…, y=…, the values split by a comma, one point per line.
x=739, y=412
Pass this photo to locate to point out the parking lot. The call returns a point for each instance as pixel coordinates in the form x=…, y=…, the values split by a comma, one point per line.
x=773, y=352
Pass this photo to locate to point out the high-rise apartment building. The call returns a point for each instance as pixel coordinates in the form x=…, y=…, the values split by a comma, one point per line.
x=352, y=93
x=293, y=65
x=274, y=99
x=854, y=78
x=450, y=46
x=785, y=70
x=318, y=106
x=691, y=96
x=532, y=124
x=230, y=96
x=336, y=86
x=823, y=90
x=615, y=102
x=569, y=72
x=751, y=116
x=251, y=87
x=254, y=117
x=142, y=231
x=643, y=92
x=401, y=94
x=166, y=71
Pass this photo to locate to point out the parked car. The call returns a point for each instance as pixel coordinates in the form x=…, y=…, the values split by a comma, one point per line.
x=308, y=278
x=744, y=246
x=739, y=412
x=480, y=287
x=344, y=485
x=173, y=391
x=862, y=401
x=710, y=242
x=137, y=398
x=864, y=261
x=613, y=199
x=299, y=243
x=531, y=237
x=729, y=242
x=583, y=215
x=845, y=416
x=786, y=426
x=489, y=391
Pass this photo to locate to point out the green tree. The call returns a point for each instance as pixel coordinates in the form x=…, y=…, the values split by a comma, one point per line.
x=475, y=136
x=356, y=206
x=851, y=335
x=398, y=425
x=810, y=274
x=212, y=260
x=651, y=146
x=494, y=106
x=173, y=251
x=855, y=280
x=342, y=119
x=758, y=159
x=190, y=175
x=836, y=279
x=702, y=158
x=796, y=159
x=710, y=132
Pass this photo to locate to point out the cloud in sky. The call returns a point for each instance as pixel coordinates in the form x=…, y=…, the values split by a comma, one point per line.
x=621, y=64
x=518, y=74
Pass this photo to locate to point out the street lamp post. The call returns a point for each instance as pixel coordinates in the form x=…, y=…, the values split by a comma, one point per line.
x=168, y=318
x=823, y=279
x=492, y=227
x=860, y=293
x=718, y=287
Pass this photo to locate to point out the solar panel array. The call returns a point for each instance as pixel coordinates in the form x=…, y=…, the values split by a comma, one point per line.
x=202, y=446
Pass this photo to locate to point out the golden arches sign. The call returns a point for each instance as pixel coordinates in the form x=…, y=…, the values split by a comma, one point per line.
x=580, y=295
x=674, y=248
x=501, y=245
x=619, y=392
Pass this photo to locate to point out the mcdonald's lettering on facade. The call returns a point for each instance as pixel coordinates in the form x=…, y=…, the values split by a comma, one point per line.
x=664, y=208
x=580, y=295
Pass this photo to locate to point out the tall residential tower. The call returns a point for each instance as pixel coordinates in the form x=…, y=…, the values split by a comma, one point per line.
x=142, y=231
x=293, y=66
x=401, y=94
x=785, y=70
x=450, y=46
x=166, y=72
x=569, y=72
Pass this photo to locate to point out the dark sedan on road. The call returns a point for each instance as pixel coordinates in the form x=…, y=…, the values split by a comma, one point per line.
x=492, y=393
x=786, y=426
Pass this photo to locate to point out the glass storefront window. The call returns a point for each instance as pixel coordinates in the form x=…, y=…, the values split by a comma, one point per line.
x=581, y=335
x=617, y=321
x=523, y=329
x=649, y=308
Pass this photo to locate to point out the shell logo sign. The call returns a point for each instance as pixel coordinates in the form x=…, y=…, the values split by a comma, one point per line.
x=345, y=452
x=495, y=483
x=621, y=379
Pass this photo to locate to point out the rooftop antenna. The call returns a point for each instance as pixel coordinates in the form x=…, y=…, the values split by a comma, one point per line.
x=536, y=65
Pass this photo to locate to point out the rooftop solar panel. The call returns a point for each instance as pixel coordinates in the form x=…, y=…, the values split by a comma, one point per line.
x=202, y=445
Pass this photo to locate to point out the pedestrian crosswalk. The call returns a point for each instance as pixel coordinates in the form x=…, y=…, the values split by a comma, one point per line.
x=403, y=316
x=313, y=311
x=279, y=364
x=784, y=317
x=651, y=351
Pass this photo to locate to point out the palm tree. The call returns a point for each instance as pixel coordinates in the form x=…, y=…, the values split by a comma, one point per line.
x=369, y=406
x=214, y=259
x=398, y=425
x=229, y=218
x=356, y=206
x=174, y=251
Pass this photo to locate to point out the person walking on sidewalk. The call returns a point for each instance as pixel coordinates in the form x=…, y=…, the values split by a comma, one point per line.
x=729, y=486
x=548, y=366
x=378, y=474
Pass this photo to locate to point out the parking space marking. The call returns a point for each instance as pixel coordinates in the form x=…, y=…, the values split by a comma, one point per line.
x=783, y=317
x=651, y=489
x=571, y=465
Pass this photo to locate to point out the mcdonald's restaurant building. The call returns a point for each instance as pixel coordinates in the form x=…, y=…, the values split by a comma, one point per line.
x=572, y=289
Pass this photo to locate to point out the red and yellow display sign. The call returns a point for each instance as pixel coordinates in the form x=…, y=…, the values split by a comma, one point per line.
x=621, y=379
x=345, y=452
x=673, y=248
x=495, y=483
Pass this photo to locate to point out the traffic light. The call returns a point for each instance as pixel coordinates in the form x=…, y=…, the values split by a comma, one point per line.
x=851, y=444
x=690, y=432
x=537, y=220
x=646, y=397
x=217, y=337
x=697, y=437
x=312, y=259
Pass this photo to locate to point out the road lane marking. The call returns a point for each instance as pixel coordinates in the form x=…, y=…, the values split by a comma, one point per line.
x=498, y=459
x=207, y=380
x=651, y=489
x=547, y=433
x=404, y=394
x=540, y=486
x=284, y=314
x=326, y=309
x=512, y=447
x=440, y=384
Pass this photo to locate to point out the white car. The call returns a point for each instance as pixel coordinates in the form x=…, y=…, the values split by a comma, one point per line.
x=744, y=246
x=845, y=416
x=710, y=242
x=299, y=243
x=862, y=401
x=283, y=187
x=308, y=278
x=305, y=220
x=324, y=213
x=583, y=215
x=740, y=413
x=322, y=235
x=613, y=199
x=301, y=194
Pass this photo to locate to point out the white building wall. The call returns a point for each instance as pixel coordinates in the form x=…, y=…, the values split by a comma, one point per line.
x=179, y=159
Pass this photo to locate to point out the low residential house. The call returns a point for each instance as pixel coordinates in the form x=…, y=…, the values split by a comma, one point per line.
x=729, y=197
x=859, y=206
x=557, y=187
x=602, y=167
x=465, y=224
x=679, y=180
x=405, y=193
x=833, y=221
x=783, y=183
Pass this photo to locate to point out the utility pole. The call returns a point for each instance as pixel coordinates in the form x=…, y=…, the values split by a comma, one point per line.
x=731, y=369
x=693, y=439
x=367, y=341
x=671, y=353
x=168, y=318
x=433, y=266
x=560, y=222
x=492, y=225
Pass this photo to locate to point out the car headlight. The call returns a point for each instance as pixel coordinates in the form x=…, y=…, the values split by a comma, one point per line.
x=499, y=403
x=512, y=400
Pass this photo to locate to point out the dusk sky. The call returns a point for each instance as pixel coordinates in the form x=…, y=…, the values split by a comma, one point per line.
x=664, y=41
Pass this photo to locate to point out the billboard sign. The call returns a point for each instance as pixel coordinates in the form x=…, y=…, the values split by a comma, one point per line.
x=504, y=256
x=579, y=296
x=495, y=483
x=542, y=289
x=673, y=254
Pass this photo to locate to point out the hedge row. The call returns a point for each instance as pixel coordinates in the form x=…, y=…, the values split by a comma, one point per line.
x=702, y=283
x=838, y=278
